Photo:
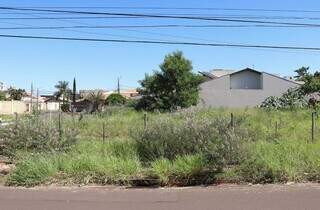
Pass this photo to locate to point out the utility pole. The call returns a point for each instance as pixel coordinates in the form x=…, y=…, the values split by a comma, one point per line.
x=31, y=99
x=118, y=88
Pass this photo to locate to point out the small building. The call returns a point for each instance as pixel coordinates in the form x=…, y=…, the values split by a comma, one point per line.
x=244, y=88
x=82, y=105
x=52, y=104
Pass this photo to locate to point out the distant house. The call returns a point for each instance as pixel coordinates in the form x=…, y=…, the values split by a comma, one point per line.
x=244, y=88
x=84, y=94
x=128, y=93
x=52, y=104
x=82, y=105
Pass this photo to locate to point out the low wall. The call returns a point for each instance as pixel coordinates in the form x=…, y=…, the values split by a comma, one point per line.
x=10, y=107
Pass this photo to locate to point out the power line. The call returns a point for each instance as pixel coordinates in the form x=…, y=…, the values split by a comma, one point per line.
x=126, y=17
x=162, y=42
x=160, y=16
x=183, y=8
x=146, y=26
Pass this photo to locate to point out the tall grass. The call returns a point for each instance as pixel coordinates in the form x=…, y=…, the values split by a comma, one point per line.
x=88, y=162
x=181, y=148
x=281, y=162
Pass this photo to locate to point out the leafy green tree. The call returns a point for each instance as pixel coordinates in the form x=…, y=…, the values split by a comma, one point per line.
x=302, y=73
x=311, y=81
x=63, y=91
x=312, y=84
x=116, y=99
x=16, y=94
x=2, y=96
x=174, y=86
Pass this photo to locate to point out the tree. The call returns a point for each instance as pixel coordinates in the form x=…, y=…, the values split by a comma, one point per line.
x=63, y=91
x=97, y=100
x=302, y=73
x=74, y=90
x=174, y=86
x=2, y=96
x=116, y=99
x=16, y=94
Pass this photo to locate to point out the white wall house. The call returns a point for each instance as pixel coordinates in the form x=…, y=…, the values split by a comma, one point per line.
x=245, y=88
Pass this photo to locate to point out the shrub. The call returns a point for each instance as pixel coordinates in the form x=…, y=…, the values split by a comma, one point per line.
x=65, y=107
x=2, y=96
x=172, y=136
x=116, y=99
x=293, y=98
x=35, y=134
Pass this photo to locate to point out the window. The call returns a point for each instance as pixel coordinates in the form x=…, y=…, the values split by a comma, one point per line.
x=246, y=80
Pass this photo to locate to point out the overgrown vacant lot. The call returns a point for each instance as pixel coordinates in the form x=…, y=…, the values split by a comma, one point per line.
x=195, y=146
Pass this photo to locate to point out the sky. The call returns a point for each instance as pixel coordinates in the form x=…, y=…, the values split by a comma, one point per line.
x=98, y=65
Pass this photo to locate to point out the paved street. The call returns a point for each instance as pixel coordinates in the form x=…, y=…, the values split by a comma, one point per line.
x=303, y=196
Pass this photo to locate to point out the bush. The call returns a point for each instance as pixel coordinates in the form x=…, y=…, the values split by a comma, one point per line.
x=65, y=107
x=35, y=134
x=292, y=99
x=116, y=99
x=172, y=136
x=2, y=96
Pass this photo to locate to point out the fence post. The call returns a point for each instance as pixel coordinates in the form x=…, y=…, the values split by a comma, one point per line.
x=16, y=120
x=145, y=120
x=313, y=125
x=276, y=128
x=103, y=132
x=231, y=120
x=59, y=126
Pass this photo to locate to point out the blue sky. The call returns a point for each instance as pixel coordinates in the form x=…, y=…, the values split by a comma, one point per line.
x=97, y=65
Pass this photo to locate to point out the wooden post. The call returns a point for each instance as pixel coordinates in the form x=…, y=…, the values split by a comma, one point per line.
x=313, y=125
x=276, y=128
x=103, y=132
x=145, y=120
x=73, y=121
x=16, y=119
x=231, y=120
x=59, y=126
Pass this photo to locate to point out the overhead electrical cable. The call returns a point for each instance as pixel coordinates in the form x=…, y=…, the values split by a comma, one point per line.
x=160, y=16
x=161, y=42
x=180, y=8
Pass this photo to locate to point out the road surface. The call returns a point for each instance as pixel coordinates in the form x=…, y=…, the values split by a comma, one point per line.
x=282, y=197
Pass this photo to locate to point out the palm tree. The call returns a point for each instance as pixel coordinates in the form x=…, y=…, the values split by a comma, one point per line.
x=97, y=100
x=63, y=90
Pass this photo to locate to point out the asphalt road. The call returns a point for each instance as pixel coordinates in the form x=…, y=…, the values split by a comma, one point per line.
x=305, y=196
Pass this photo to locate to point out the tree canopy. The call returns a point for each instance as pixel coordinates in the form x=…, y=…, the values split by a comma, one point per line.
x=311, y=81
x=63, y=90
x=173, y=86
x=16, y=94
x=115, y=99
